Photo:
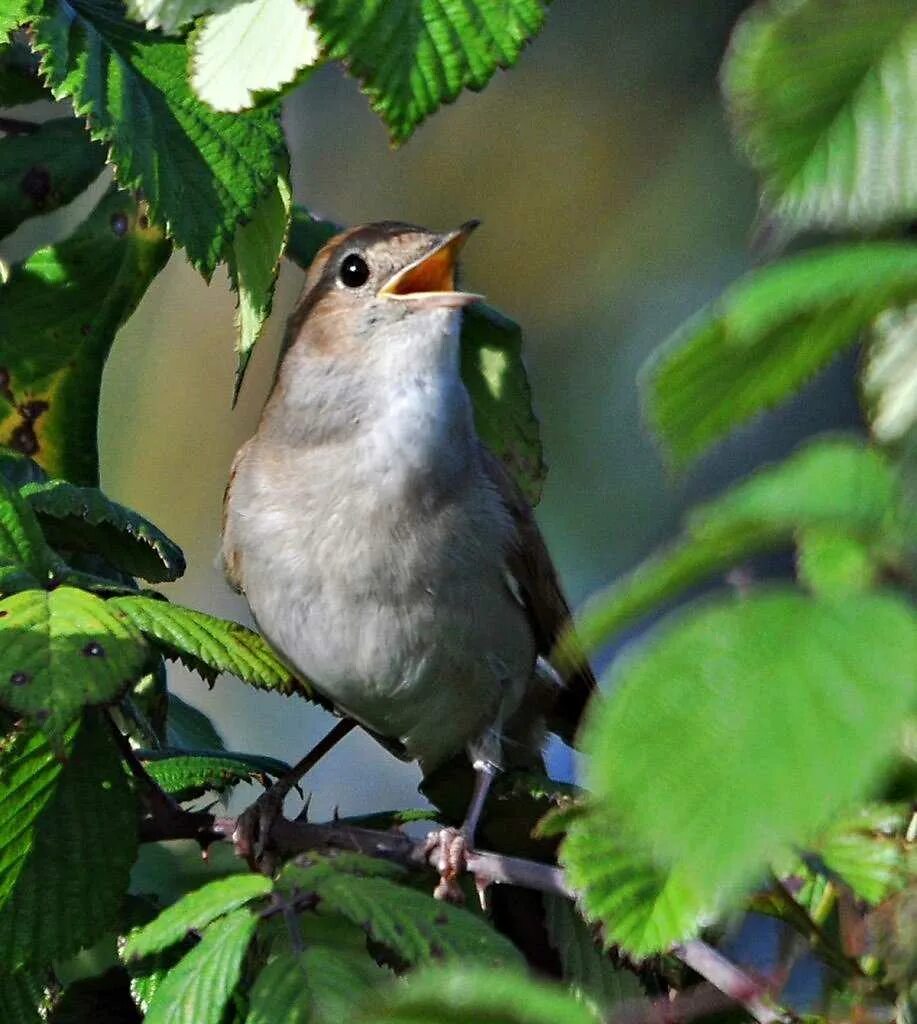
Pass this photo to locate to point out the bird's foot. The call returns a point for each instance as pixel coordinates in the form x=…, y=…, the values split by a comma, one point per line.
x=448, y=850
x=252, y=837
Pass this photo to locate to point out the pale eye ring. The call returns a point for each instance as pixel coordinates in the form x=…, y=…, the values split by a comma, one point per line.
x=354, y=272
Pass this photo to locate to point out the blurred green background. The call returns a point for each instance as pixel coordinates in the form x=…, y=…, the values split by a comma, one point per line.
x=614, y=206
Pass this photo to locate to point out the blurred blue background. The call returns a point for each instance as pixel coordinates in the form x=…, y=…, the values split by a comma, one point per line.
x=614, y=207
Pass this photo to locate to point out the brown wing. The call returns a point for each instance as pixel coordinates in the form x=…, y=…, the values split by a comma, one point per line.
x=540, y=591
x=231, y=561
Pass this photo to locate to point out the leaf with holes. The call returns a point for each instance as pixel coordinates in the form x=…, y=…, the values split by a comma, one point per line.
x=81, y=846
x=253, y=260
x=411, y=56
x=201, y=171
x=59, y=313
x=210, y=645
x=186, y=775
x=643, y=906
x=194, y=912
x=462, y=993
x=199, y=987
x=822, y=97
x=45, y=169
x=829, y=484
x=84, y=519
x=249, y=50
x=767, y=335
x=413, y=925
x=62, y=650
x=777, y=679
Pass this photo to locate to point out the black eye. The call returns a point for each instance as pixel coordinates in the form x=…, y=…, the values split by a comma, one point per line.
x=354, y=271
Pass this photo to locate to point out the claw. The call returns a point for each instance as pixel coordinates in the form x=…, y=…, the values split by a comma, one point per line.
x=447, y=851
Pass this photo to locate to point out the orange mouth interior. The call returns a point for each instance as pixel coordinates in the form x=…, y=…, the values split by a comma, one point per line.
x=436, y=273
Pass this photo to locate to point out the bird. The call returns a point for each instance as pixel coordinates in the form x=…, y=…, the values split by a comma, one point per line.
x=385, y=553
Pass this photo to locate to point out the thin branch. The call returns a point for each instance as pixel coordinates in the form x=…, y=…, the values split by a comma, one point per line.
x=724, y=975
x=305, y=764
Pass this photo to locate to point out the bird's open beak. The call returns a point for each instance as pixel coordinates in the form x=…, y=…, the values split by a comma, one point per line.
x=431, y=279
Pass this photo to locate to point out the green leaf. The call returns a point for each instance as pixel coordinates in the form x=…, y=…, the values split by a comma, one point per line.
x=25, y=559
x=890, y=375
x=756, y=719
x=45, y=169
x=411, y=56
x=833, y=563
x=588, y=970
x=492, y=369
x=188, y=774
x=63, y=650
x=23, y=997
x=19, y=81
x=12, y=15
x=768, y=334
x=200, y=986
x=168, y=15
x=829, y=484
x=59, y=312
x=80, y=848
x=822, y=97
x=210, y=645
x=200, y=171
x=643, y=906
x=319, y=984
x=249, y=50
x=463, y=993
x=416, y=927
x=189, y=729
x=253, y=260
x=84, y=519
x=194, y=912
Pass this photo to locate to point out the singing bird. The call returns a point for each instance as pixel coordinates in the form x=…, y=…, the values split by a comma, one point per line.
x=384, y=551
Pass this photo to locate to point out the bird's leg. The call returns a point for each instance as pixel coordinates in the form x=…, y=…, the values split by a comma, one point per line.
x=253, y=826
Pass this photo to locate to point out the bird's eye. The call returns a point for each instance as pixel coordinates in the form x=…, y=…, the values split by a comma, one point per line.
x=354, y=271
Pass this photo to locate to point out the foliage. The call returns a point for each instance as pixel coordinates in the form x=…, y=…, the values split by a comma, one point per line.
x=754, y=750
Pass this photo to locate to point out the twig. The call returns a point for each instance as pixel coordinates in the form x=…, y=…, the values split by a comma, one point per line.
x=310, y=760
x=724, y=975
x=703, y=1000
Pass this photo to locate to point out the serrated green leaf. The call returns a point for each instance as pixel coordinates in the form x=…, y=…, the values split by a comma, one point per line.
x=12, y=15
x=411, y=56
x=317, y=986
x=59, y=312
x=253, y=260
x=201, y=171
x=249, y=50
x=194, y=912
x=416, y=927
x=831, y=483
x=45, y=169
x=766, y=335
x=23, y=997
x=463, y=993
x=822, y=97
x=210, y=645
x=492, y=369
x=188, y=774
x=776, y=679
x=82, y=844
x=588, y=970
x=868, y=851
x=200, y=986
x=19, y=81
x=889, y=378
x=84, y=519
x=834, y=563
x=64, y=650
x=25, y=559
x=643, y=906
x=190, y=729
x=168, y=15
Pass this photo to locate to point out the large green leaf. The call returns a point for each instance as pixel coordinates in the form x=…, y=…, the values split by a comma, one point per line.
x=492, y=369
x=822, y=96
x=199, y=987
x=210, y=645
x=755, y=719
x=833, y=483
x=186, y=775
x=251, y=49
x=81, y=845
x=59, y=312
x=200, y=171
x=45, y=169
x=12, y=15
x=416, y=927
x=194, y=912
x=413, y=55
x=62, y=650
x=253, y=260
x=465, y=993
x=23, y=997
x=643, y=906
x=766, y=335
x=84, y=519
x=25, y=559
